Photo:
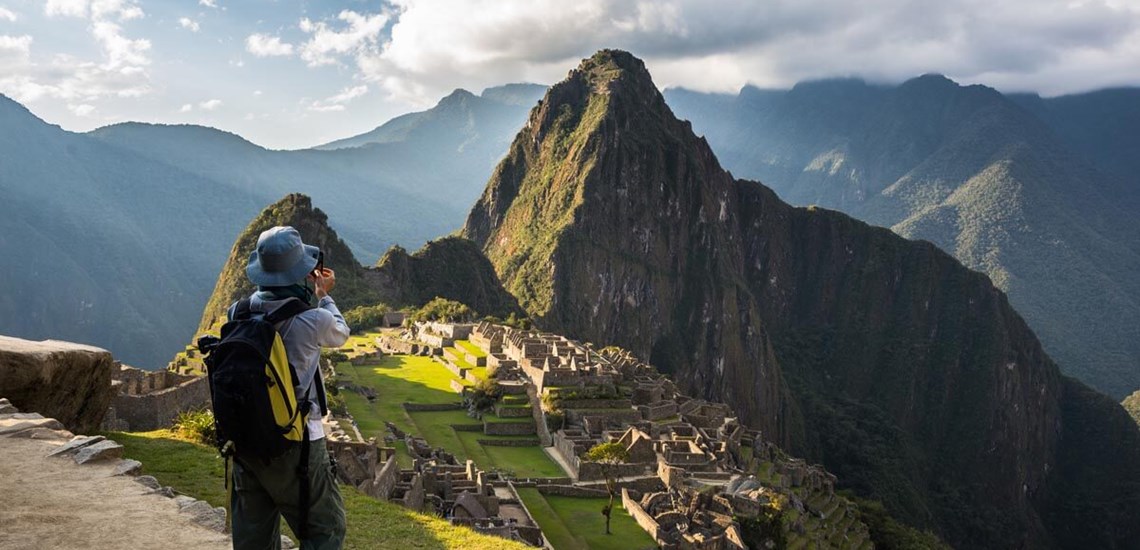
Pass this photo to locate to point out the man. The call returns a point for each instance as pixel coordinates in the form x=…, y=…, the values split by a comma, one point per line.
x=283, y=267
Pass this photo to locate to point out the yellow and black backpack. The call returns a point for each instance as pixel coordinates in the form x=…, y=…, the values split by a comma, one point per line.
x=257, y=412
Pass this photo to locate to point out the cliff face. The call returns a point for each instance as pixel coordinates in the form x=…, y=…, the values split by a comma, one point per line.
x=451, y=267
x=905, y=373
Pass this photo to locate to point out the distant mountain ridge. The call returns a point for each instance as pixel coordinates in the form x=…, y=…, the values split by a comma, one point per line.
x=119, y=232
x=1029, y=191
x=903, y=372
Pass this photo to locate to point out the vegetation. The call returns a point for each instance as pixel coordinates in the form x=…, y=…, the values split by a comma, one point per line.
x=363, y=318
x=195, y=469
x=574, y=523
x=889, y=534
x=1132, y=405
x=442, y=309
x=609, y=455
x=197, y=426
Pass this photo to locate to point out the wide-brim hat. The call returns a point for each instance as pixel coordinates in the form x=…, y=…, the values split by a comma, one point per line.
x=280, y=259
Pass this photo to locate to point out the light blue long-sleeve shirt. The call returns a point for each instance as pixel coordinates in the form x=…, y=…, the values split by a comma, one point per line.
x=304, y=335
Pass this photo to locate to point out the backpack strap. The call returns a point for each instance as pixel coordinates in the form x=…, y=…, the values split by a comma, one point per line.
x=291, y=307
x=242, y=310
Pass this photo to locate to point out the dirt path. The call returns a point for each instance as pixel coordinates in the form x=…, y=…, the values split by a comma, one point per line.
x=54, y=503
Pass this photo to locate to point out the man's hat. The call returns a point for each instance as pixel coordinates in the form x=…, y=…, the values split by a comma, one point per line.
x=281, y=259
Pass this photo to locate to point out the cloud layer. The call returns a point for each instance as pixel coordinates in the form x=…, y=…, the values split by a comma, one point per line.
x=1052, y=46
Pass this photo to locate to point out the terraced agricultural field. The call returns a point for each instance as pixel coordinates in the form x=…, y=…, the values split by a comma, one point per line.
x=400, y=379
x=578, y=524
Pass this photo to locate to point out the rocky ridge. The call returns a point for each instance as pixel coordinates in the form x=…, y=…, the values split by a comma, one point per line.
x=451, y=268
x=906, y=374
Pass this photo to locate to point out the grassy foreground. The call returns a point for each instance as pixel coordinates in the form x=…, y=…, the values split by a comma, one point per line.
x=196, y=470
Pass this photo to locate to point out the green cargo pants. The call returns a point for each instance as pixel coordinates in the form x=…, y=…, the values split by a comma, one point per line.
x=262, y=493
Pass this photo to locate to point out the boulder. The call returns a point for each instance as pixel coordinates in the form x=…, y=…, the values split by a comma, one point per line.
x=62, y=380
x=203, y=514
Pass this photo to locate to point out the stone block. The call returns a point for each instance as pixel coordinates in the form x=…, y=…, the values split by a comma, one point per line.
x=128, y=467
x=148, y=481
x=103, y=450
x=76, y=443
x=61, y=380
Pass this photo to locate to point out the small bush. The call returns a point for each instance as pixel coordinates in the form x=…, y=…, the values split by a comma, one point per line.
x=336, y=403
x=196, y=426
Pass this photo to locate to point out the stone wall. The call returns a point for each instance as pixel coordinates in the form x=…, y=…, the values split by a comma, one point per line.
x=593, y=471
x=572, y=491
x=380, y=487
x=432, y=407
x=639, y=515
x=508, y=442
x=509, y=428
x=401, y=346
x=156, y=410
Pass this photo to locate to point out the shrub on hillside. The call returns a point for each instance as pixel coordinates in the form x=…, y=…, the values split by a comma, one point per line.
x=196, y=426
x=448, y=311
x=366, y=317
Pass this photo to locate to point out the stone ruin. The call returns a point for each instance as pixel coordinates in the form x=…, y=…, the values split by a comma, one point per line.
x=149, y=400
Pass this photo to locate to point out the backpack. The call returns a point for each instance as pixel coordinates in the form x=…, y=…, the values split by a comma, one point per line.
x=257, y=413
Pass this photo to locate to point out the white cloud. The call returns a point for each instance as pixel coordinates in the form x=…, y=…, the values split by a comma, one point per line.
x=82, y=110
x=66, y=8
x=337, y=102
x=208, y=3
x=119, y=72
x=257, y=93
x=210, y=105
x=1049, y=45
x=123, y=10
x=17, y=46
x=326, y=43
x=7, y=15
x=186, y=108
x=263, y=45
x=187, y=23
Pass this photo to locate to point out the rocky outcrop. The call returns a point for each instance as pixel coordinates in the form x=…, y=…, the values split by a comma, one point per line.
x=903, y=372
x=450, y=267
x=66, y=381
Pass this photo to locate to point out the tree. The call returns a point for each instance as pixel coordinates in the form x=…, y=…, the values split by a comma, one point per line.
x=609, y=455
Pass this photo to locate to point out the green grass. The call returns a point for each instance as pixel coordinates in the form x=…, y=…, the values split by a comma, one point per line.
x=577, y=523
x=192, y=468
x=196, y=470
x=460, y=360
x=435, y=427
x=397, y=380
x=470, y=348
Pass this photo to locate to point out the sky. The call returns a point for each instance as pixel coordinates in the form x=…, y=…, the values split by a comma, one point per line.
x=294, y=74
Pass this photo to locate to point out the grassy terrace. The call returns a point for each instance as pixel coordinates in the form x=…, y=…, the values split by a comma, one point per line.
x=467, y=346
x=458, y=353
x=577, y=523
x=196, y=470
x=411, y=379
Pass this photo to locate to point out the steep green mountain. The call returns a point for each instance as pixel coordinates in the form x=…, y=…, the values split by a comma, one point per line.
x=451, y=268
x=905, y=373
x=1041, y=204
